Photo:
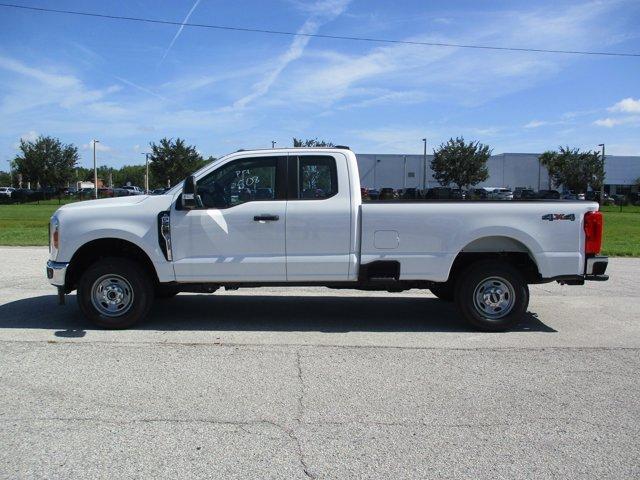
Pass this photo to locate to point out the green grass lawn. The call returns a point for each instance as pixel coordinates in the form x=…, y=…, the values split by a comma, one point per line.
x=621, y=232
x=27, y=225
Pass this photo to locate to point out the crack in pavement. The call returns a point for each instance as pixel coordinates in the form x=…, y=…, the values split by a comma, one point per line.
x=299, y=417
x=275, y=346
x=241, y=424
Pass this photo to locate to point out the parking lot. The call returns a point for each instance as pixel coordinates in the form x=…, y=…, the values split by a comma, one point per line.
x=317, y=383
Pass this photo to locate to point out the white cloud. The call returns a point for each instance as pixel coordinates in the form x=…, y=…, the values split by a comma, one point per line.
x=536, y=124
x=463, y=76
x=100, y=147
x=39, y=87
x=322, y=12
x=612, y=122
x=175, y=37
x=140, y=87
x=628, y=105
x=389, y=97
x=30, y=136
x=606, y=122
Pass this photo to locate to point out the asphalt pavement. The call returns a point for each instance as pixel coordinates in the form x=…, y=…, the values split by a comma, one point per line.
x=318, y=383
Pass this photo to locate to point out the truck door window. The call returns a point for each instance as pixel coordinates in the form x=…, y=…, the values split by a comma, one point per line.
x=241, y=181
x=317, y=177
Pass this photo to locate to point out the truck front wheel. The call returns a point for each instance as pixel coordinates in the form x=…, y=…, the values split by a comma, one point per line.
x=115, y=293
x=492, y=295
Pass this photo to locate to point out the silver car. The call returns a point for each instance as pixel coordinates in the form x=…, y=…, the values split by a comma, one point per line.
x=5, y=192
x=501, y=194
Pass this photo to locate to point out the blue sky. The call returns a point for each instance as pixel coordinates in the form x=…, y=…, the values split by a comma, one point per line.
x=129, y=83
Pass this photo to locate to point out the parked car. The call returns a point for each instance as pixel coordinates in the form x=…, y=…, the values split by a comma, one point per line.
x=439, y=193
x=21, y=195
x=86, y=193
x=478, y=194
x=159, y=191
x=44, y=193
x=374, y=194
x=549, y=195
x=122, y=253
x=520, y=193
x=571, y=195
x=501, y=194
x=5, y=192
x=594, y=196
x=120, y=192
x=133, y=190
x=387, y=194
x=458, y=194
x=411, y=194
x=620, y=199
x=105, y=192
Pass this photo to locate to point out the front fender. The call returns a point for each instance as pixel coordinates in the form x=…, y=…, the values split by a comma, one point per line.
x=144, y=237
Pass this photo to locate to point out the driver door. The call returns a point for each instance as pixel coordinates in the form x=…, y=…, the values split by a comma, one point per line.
x=239, y=233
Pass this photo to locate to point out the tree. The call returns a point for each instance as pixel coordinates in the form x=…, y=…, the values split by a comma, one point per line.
x=46, y=161
x=5, y=179
x=463, y=164
x=573, y=169
x=133, y=174
x=173, y=160
x=311, y=142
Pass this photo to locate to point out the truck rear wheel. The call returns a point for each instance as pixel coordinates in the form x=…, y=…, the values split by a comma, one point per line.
x=115, y=293
x=492, y=295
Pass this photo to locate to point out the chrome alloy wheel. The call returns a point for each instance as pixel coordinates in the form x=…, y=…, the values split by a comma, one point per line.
x=112, y=295
x=494, y=298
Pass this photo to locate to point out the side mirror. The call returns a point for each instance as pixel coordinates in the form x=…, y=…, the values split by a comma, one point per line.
x=190, y=193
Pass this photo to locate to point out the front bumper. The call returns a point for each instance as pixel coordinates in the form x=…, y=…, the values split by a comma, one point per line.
x=596, y=267
x=56, y=273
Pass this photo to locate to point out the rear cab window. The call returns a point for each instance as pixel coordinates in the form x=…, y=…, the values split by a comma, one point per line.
x=312, y=177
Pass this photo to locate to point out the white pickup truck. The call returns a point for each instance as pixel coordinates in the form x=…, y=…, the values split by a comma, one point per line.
x=292, y=217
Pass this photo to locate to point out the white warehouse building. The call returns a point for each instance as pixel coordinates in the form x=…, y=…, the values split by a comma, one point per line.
x=505, y=170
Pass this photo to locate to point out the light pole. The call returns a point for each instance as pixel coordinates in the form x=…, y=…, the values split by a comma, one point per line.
x=404, y=178
x=424, y=169
x=603, y=172
x=10, y=172
x=95, y=170
x=146, y=175
x=273, y=144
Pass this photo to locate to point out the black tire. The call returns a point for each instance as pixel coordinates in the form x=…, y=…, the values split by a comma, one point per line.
x=444, y=291
x=505, y=290
x=126, y=279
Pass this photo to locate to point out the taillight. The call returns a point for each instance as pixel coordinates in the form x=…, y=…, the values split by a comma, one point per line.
x=56, y=242
x=593, y=223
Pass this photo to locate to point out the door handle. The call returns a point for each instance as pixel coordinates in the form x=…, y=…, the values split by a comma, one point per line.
x=266, y=218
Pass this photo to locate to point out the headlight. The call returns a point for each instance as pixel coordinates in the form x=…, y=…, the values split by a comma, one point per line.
x=54, y=236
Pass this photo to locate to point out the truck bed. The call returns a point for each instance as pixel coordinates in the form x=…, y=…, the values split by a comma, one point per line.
x=425, y=237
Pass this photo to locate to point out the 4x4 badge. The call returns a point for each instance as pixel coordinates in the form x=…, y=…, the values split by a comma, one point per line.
x=559, y=216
